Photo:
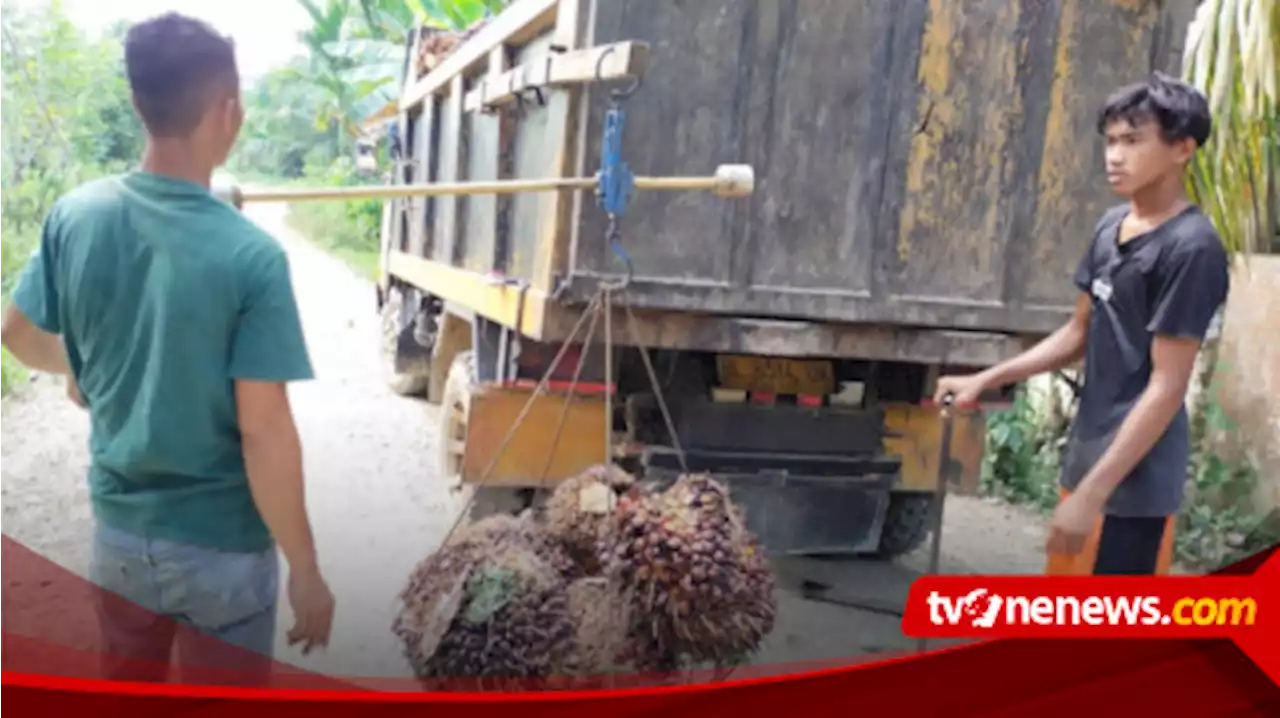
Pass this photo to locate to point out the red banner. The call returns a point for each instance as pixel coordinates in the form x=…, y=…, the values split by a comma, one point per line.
x=1243, y=609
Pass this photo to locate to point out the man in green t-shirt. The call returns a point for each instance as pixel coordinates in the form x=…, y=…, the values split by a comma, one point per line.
x=173, y=318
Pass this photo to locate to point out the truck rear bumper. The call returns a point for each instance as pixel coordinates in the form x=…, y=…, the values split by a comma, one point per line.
x=792, y=511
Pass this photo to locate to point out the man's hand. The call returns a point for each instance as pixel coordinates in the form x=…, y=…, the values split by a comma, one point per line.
x=32, y=346
x=312, y=604
x=1073, y=521
x=1056, y=351
x=73, y=393
x=965, y=389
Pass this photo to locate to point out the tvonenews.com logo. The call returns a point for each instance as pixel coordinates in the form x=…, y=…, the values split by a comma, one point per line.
x=982, y=609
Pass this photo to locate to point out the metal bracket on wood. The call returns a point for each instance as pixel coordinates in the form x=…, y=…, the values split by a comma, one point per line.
x=558, y=68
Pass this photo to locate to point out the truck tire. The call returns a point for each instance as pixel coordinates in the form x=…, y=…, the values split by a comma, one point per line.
x=906, y=524
x=402, y=384
x=455, y=404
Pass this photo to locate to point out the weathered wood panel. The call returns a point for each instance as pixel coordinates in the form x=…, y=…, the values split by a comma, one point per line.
x=450, y=146
x=1101, y=45
x=573, y=31
x=533, y=158
x=927, y=163
x=421, y=169
x=688, y=116
x=922, y=162
x=484, y=149
x=817, y=143
x=954, y=225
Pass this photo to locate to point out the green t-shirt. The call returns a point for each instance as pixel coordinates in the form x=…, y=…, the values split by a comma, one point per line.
x=164, y=295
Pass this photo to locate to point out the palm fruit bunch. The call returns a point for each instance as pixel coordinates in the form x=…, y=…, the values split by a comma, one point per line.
x=579, y=514
x=700, y=587
x=434, y=48
x=611, y=576
x=435, y=45
x=603, y=621
x=490, y=603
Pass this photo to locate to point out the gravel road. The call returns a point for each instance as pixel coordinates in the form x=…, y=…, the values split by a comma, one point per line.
x=377, y=507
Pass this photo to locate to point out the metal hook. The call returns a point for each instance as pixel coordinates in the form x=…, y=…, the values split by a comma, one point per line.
x=619, y=253
x=616, y=95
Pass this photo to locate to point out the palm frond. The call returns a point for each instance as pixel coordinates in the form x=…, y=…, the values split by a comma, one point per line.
x=1231, y=55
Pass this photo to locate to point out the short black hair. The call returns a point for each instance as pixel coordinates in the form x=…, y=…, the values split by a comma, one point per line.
x=1178, y=108
x=174, y=62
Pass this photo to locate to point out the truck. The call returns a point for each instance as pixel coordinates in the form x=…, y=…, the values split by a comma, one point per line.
x=927, y=174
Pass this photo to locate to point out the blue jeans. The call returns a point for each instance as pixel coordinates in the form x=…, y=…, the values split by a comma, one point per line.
x=217, y=607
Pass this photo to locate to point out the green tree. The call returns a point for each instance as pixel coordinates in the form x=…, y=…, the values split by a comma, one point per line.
x=1233, y=55
x=357, y=48
x=68, y=118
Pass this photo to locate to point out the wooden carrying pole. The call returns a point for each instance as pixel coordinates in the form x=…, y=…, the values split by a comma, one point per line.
x=728, y=181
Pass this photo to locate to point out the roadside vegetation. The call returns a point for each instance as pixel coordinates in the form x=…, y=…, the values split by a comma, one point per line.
x=303, y=120
x=67, y=119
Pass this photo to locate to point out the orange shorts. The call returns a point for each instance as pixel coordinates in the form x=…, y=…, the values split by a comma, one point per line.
x=1082, y=564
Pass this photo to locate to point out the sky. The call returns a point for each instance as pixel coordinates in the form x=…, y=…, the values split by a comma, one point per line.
x=265, y=31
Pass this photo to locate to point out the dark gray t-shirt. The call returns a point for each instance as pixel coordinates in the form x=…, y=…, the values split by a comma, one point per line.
x=1172, y=280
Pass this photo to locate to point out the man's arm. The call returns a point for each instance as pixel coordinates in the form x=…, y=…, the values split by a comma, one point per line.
x=1064, y=347
x=273, y=460
x=31, y=345
x=1057, y=351
x=269, y=350
x=31, y=328
x=1060, y=349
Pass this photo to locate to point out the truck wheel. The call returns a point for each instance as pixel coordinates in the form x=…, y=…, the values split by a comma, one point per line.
x=455, y=405
x=402, y=384
x=906, y=524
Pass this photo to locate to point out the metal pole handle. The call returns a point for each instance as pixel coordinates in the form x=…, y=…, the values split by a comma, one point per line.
x=728, y=181
x=940, y=493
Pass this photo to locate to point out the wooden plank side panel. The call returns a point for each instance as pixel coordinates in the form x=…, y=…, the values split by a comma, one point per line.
x=484, y=140
x=479, y=243
x=1037, y=41
x=815, y=136
x=922, y=162
x=687, y=118
x=955, y=218
x=428, y=161
x=532, y=159
x=419, y=170
x=556, y=212
x=1102, y=44
x=449, y=147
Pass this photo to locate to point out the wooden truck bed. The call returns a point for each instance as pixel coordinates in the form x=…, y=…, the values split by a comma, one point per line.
x=927, y=171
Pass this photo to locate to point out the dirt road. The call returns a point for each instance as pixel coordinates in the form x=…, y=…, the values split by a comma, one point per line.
x=377, y=506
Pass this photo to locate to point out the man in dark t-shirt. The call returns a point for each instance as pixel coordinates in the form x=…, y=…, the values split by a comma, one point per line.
x=1152, y=282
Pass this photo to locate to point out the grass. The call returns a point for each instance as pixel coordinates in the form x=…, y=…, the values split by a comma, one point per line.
x=12, y=373
x=327, y=226
x=363, y=262
x=347, y=230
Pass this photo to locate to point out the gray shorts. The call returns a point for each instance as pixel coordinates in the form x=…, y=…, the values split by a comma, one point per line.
x=218, y=608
